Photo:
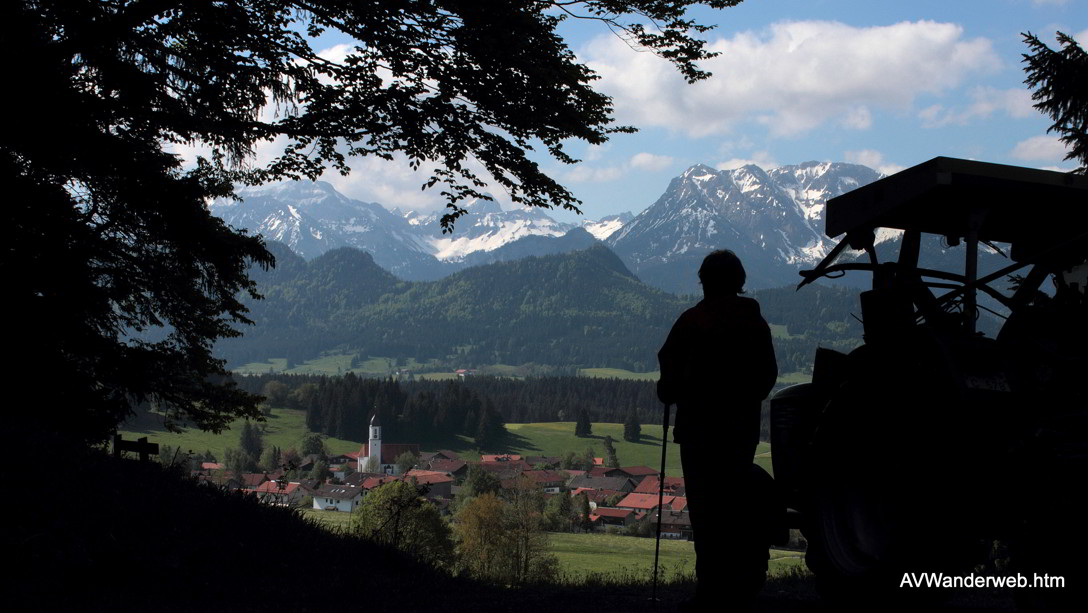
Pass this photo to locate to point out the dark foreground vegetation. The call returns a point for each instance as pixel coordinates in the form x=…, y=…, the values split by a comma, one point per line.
x=121, y=535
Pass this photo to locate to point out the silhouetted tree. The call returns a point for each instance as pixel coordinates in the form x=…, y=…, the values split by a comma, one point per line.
x=250, y=441
x=583, y=427
x=632, y=429
x=611, y=459
x=1060, y=81
x=120, y=278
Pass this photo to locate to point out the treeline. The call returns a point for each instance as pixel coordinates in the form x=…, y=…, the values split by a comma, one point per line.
x=343, y=406
x=431, y=411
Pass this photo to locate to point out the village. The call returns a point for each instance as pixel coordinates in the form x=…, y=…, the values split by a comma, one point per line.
x=621, y=500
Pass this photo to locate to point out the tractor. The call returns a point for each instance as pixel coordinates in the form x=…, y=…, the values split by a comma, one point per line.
x=929, y=442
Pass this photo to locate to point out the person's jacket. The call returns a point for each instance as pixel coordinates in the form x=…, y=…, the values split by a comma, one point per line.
x=717, y=365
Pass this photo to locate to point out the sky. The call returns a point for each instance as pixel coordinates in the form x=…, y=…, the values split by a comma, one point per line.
x=884, y=84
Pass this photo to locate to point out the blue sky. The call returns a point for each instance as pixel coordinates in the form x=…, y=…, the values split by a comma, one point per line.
x=885, y=84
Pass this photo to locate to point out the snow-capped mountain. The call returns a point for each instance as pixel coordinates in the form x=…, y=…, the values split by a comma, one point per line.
x=312, y=218
x=772, y=219
x=607, y=226
x=486, y=228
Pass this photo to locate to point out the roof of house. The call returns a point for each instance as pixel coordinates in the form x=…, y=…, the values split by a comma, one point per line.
x=514, y=467
x=610, y=512
x=621, y=484
x=650, y=485
x=597, y=496
x=272, y=487
x=372, y=482
x=428, y=477
x=674, y=519
x=339, y=492
x=252, y=480
x=639, y=471
x=643, y=501
x=502, y=457
x=546, y=476
x=210, y=466
x=445, y=454
x=447, y=466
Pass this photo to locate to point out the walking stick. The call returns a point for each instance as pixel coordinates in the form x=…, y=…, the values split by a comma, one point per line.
x=660, y=496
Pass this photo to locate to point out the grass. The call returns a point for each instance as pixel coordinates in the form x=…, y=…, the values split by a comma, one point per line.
x=582, y=554
x=283, y=428
x=557, y=438
x=791, y=378
x=336, y=521
x=619, y=373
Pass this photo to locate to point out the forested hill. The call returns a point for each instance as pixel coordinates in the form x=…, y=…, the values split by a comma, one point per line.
x=576, y=310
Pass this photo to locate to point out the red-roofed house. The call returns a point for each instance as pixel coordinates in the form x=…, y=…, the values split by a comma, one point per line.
x=457, y=469
x=269, y=492
x=439, y=485
x=250, y=481
x=551, y=481
x=604, y=517
x=644, y=502
x=597, y=498
x=650, y=485
x=639, y=473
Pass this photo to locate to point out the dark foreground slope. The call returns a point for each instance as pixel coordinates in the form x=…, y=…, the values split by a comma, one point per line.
x=118, y=535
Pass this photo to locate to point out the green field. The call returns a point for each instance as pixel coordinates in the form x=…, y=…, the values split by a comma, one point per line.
x=332, y=520
x=581, y=554
x=619, y=373
x=285, y=427
x=557, y=438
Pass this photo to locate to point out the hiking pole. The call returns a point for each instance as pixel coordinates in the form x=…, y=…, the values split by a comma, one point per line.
x=660, y=496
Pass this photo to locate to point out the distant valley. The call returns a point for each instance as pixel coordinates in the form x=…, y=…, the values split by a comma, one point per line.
x=516, y=287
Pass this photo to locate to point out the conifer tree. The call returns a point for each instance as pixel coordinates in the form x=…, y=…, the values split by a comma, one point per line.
x=583, y=427
x=632, y=429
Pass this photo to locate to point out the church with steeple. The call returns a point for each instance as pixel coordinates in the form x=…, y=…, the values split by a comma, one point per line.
x=384, y=454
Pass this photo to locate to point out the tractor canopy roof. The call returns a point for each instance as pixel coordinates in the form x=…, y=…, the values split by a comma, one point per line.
x=1031, y=209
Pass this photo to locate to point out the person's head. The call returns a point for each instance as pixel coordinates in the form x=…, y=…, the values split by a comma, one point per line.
x=722, y=274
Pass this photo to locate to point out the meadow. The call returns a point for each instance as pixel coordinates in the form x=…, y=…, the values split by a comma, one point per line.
x=585, y=554
x=284, y=428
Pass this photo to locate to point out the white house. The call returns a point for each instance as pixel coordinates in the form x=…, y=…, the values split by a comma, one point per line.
x=331, y=497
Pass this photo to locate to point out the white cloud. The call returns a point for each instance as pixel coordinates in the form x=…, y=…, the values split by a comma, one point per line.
x=1040, y=148
x=649, y=161
x=792, y=77
x=644, y=161
x=873, y=159
x=1049, y=2
x=588, y=174
x=985, y=102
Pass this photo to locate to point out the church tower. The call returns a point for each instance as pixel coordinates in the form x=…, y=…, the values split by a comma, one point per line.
x=375, y=442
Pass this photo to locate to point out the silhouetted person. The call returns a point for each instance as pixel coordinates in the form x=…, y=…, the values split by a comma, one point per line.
x=717, y=366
